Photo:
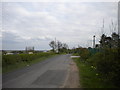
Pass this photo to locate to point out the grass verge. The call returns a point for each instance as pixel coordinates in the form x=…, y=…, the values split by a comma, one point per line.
x=19, y=65
x=89, y=78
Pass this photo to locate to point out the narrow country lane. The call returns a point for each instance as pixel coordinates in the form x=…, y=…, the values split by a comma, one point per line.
x=51, y=73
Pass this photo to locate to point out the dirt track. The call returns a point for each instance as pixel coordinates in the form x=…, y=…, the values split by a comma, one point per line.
x=72, y=80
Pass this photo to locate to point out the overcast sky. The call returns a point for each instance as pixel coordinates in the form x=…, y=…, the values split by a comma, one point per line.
x=36, y=24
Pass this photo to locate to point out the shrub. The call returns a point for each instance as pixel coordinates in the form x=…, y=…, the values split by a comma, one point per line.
x=85, y=54
x=108, y=64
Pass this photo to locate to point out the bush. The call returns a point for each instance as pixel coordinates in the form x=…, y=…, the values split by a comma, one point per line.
x=107, y=64
x=85, y=54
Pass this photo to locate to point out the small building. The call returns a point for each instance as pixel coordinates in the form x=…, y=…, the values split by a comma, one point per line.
x=9, y=53
x=30, y=52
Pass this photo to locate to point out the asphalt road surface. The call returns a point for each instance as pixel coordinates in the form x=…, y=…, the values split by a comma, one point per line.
x=50, y=73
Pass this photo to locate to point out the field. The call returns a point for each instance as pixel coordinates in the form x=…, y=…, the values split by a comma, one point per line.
x=13, y=62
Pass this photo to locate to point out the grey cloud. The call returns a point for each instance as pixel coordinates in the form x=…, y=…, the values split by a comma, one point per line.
x=10, y=37
x=39, y=23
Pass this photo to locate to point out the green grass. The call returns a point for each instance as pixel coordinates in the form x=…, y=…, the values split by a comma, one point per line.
x=89, y=78
x=12, y=67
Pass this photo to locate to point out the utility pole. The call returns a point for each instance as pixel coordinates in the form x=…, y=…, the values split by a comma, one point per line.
x=55, y=42
x=103, y=27
x=118, y=24
x=94, y=41
x=55, y=45
x=119, y=19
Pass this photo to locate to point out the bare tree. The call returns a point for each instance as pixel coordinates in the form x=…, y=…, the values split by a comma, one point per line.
x=58, y=46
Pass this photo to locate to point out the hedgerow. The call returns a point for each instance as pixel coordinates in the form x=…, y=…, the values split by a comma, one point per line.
x=17, y=58
x=106, y=62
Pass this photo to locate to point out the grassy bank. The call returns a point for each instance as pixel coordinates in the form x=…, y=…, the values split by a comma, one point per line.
x=89, y=77
x=13, y=62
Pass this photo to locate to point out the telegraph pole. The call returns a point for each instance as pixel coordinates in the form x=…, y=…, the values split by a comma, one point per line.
x=103, y=27
x=55, y=41
x=118, y=23
x=55, y=45
x=94, y=41
x=119, y=19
